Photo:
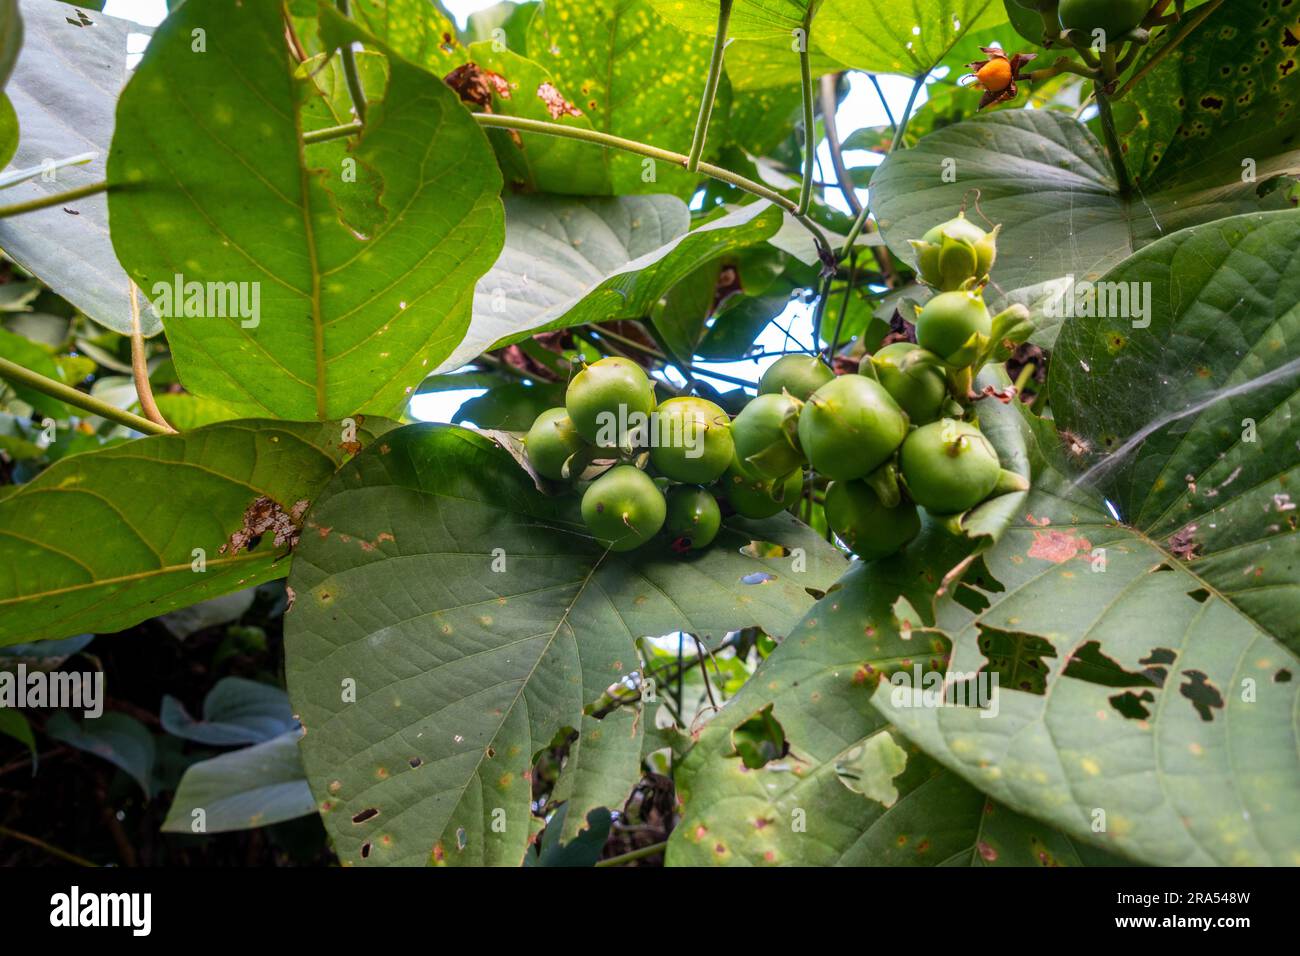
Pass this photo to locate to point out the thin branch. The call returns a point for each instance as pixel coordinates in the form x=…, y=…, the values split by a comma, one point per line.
x=57, y=199
x=140, y=367
x=654, y=152
x=809, y=122
x=710, y=87
x=1112, y=141
x=829, y=87
x=47, y=847
x=907, y=112
x=331, y=132
x=889, y=114
x=349, y=57
x=844, y=305
x=704, y=672
x=653, y=850
x=21, y=376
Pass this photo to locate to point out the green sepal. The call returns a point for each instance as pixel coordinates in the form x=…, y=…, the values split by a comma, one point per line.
x=884, y=482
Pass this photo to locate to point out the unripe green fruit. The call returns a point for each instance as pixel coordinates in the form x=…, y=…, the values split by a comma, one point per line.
x=949, y=467
x=800, y=375
x=693, y=517
x=850, y=426
x=603, y=397
x=551, y=441
x=919, y=387
x=623, y=508
x=766, y=437
x=949, y=321
x=692, y=440
x=1114, y=17
x=871, y=530
x=755, y=497
x=955, y=251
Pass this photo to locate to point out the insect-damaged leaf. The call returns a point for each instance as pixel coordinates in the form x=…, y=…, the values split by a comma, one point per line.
x=1165, y=725
x=839, y=794
x=213, y=184
x=176, y=519
x=475, y=618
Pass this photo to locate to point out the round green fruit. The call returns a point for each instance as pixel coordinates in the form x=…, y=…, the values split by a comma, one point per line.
x=551, y=441
x=623, y=508
x=755, y=497
x=870, y=529
x=693, y=517
x=1114, y=17
x=766, y=437
x=609, y=401
x=947, y=323
x=800, y=375
x=949, y=466
x=918, y=385
x=691, y=440
x=850, y=426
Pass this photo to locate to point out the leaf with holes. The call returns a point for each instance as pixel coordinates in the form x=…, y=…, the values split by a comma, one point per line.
x=177, y=518
x=571, y=261
x=602, y=767
x=849, y=790
x=297, y=314
x=1221, y=108
x=1164, y=726
x=473, y=618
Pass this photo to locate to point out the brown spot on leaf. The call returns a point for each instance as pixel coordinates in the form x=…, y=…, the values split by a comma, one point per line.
x=1183, y=545
x=264, y=516
x=476, y=85
x=1058, y=546
x=555, y=102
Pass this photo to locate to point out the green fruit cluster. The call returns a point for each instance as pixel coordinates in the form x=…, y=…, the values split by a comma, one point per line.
x=894, y=438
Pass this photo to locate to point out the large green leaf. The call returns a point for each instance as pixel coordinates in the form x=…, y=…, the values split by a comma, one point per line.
x=633, y=74
x=570, y=261
x=1047, y=180
x=64, y=89
x=450, y=619
x=349, y=322
x=811, y=807
x=416, y=30
x=250, y=787
x=1163, y=720
x=885, y=36
x=230, y=490
x=749, y=20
